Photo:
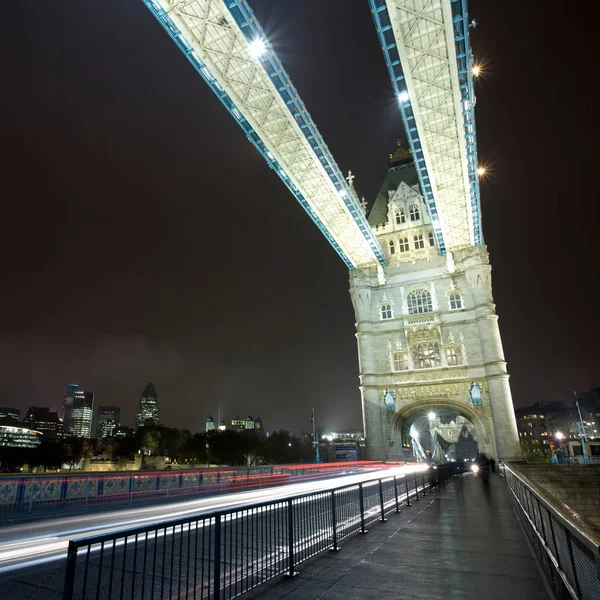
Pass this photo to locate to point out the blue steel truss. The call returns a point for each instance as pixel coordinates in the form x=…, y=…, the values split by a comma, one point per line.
x=392, y=60
x=464, y=60
x=245, y=19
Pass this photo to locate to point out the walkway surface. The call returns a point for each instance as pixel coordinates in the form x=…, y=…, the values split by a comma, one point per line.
x=461, y=543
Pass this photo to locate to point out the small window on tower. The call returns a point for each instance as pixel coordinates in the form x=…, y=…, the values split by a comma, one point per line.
x=431, y=239
x=392, y=247
x=386, y=311
x=454, y=356
x=414, y=213
x=400, y=361
x=400, y=216
x=403, y=245
x=455, y=301
x=419, y=243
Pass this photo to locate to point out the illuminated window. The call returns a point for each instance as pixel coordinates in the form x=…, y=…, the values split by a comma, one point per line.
x=454, y=356
x=431, y=239
x=419, y=243
x=386, y=311
x=392, y=247
x=403, y=245
x=455, y=300
x=419, y=301
x=400, y=361
x=426, y=356
x=414, y=213
x=400, y=216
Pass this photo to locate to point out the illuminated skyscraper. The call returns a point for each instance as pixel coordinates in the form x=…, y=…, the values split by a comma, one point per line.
x=109, y=418
x=149, y=410
x=80, y=424
x=68, y=403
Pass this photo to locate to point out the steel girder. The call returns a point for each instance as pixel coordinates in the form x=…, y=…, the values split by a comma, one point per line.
x=426, y=46
x=216, y=37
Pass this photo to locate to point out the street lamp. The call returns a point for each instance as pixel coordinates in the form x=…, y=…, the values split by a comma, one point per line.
x=559, y=436
x=431, y=415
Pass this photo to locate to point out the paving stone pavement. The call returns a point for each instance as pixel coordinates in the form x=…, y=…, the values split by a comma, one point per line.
x=461, y=543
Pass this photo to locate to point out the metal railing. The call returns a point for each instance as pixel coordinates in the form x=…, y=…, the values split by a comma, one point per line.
x=226, y=553
x=569, y=557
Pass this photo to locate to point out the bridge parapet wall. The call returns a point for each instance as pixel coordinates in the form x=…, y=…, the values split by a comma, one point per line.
x=576, y=486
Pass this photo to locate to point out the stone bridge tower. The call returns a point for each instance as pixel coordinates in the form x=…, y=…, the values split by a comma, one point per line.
x=427, y=329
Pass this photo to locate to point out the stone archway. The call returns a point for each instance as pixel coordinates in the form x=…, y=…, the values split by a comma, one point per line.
x=483, y=433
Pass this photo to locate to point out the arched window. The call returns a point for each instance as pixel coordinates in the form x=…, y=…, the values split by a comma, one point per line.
x=400, y=361
x=414, y=213
x=386, y=311
x=400, y=216
x=403, y=245
x=392, y=247
x=431, y=239
x=419, y=243
x=426, y=356
x=455, y=300
x=419, y=301
x=454, y=356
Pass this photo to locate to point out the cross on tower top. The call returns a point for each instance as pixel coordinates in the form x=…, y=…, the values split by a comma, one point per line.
x=363, y=205
x=350, y=179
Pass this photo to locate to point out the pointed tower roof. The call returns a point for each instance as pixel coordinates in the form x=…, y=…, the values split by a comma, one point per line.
x=402, y=170
x=149, y=390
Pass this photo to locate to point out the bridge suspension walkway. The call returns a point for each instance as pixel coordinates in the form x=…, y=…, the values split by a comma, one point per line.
x=461, y=543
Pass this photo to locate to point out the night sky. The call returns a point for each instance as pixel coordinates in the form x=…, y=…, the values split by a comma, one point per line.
x=144, y=238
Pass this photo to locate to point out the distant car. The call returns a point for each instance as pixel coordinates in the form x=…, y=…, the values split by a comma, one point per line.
x=168, y=468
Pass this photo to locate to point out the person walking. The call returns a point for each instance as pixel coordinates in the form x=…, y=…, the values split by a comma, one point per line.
x=483, y=464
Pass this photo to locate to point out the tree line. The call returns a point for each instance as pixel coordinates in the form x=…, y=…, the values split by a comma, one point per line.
x=221, y=448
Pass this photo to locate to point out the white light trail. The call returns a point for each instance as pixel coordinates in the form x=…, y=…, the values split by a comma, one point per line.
x=46, y=540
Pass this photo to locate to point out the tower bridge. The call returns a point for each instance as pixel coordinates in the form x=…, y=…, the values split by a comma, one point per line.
x=420, y=278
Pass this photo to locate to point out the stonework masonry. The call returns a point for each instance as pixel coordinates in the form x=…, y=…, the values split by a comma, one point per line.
x=428, y=336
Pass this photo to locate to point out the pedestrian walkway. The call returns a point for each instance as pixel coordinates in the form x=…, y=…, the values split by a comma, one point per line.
x=461, y=543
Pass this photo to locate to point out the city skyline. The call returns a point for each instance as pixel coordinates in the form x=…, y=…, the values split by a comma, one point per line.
x=165, y=258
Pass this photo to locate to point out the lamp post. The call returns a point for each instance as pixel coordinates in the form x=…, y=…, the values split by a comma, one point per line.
x=559, y=437
x=431, y=416
x=582, y=433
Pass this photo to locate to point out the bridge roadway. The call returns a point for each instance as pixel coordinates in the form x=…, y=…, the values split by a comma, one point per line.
x=463, y=542
x=31, y=551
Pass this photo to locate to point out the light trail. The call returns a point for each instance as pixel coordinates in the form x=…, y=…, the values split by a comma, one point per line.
x=30, y=544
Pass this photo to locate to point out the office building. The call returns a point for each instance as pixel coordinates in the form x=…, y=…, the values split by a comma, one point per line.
x=149, y=408
x=109, y=418
x=19, y=437
x=82, y=412
x=44, y=420
x=12, y=414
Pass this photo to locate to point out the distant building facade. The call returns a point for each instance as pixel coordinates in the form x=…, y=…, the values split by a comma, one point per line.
x=19, y=437
x=123, y=432
x=44, y=420
x=238, y=424
x=82, y=413
x=67, y=407
x=109, y=418
x=149, y=408
x=13, y=414
x=539, y=423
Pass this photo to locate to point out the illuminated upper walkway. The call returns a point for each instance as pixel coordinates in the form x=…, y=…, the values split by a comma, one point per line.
x=463, y=543
x=228, y=47
x=428, y=56
x=427, y=52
